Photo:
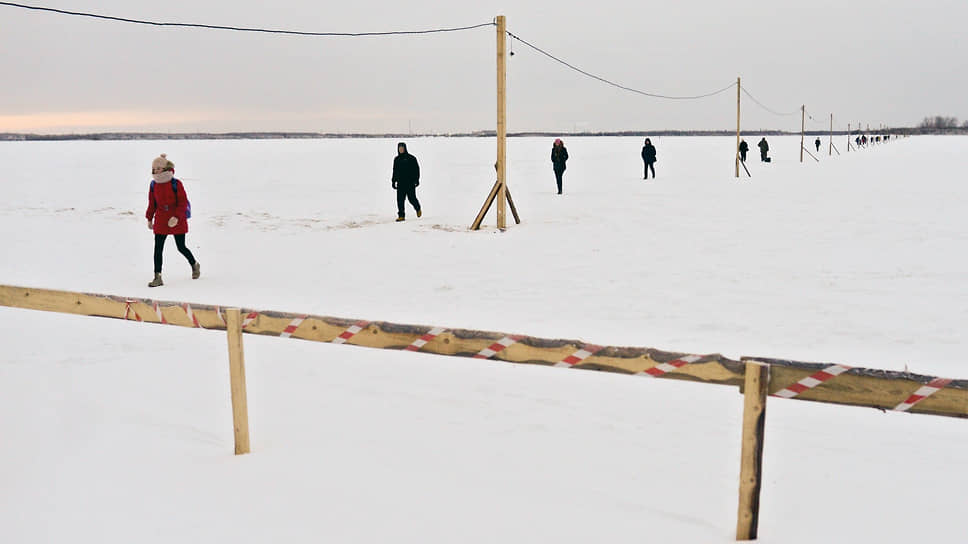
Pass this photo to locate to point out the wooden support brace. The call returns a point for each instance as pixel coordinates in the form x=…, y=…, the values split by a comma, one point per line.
x=240, y=410
x=755, y=390
x=487, y=206
x=514, y=209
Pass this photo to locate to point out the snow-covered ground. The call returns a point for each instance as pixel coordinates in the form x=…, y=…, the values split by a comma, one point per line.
x=119, y=432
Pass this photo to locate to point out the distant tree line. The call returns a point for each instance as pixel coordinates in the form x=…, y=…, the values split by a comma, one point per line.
x=940, y=122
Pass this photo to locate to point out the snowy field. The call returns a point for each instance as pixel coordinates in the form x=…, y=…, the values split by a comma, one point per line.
x=120, y=432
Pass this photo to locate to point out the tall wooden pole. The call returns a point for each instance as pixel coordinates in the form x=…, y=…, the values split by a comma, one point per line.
x=240, y=409
x=502, y=111
x=755, y=388
x=831, y=150
x=803, y=123
x=739, y=88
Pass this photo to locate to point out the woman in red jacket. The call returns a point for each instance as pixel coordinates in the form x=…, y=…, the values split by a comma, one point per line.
x=168, y=214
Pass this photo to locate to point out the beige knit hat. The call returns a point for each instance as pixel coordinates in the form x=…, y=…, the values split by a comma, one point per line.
x=162, y=163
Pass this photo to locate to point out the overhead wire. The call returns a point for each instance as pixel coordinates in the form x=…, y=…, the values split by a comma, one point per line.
x=240, y=28
x=612, y=83
x=767, y=108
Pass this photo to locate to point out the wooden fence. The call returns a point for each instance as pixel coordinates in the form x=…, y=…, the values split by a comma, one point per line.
x=756, y=377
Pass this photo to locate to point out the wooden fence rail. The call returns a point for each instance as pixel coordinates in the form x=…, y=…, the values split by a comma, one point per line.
x=880, y=389
x=756, y=377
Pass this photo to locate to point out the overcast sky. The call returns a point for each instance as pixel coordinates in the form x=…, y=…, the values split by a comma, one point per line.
x=867, y=61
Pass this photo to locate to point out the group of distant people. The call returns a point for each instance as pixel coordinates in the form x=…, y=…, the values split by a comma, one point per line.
x=863, y=140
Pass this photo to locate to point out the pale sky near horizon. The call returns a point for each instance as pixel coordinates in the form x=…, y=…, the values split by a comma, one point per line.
x=865, y=61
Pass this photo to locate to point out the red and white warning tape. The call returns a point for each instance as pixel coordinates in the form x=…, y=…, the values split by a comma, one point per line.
x=129, y=310
x=191, y=316
x=579, y=355
x=158, y=312
x=249, y=318
x=923, y=392
x=422, y=341
x=497, y=347
x=218, y=313
x=350, y=332
x=811, y=381
x=291, y=328
x=665, y=368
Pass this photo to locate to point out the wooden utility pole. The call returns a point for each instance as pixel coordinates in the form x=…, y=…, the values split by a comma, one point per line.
x=739, y=88
x=831, y=150
x=502, y=112
x=240, y=409
x=803, y=122
x=756, y=385
x=500, y=192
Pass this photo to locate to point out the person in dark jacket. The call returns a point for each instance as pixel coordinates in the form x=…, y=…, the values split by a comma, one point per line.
x=743, y=150
x=406, y=178
x=167, y=213
x=764, y=149
x=817, y=143
x=648, y=157
x=559, y=156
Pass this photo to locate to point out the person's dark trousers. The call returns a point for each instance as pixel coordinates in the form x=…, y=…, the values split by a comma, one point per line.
x=763, y=156
x=407, y=193
x=160, y=249
x=742, y=156
x=649, y=166
x=558, y=174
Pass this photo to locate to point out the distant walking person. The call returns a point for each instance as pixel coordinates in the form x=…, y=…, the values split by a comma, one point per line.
x=817, y=143
x=167, y=213
x=743, y=150
x=648, y=156
x=764, y=149
x=559, y=156
x=406, y=178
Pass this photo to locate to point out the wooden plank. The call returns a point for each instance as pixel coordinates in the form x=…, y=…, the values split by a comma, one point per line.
x=502, y=114
x=514, y=209
x=857, y=387
x=882, y=389
x=240, y=410
x=757, y=381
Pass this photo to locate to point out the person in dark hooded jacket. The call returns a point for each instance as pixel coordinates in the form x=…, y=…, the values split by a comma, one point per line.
x=743, y=150
x=764, y=149
x=559, y=158
x=648, y=156
x=406, y=178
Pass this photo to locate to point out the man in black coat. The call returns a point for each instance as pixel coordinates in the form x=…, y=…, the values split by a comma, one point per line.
x=648, y=156
x=817, y=143
x=406, y=178
x=764, y=149
x=743, y=149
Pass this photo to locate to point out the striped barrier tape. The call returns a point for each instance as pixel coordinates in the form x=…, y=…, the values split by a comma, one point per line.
x=811, y=381
x=350, y=332
x=665, y=368
x=922, y=393
x=422, y=341
x=291, y=328
x=128, y=309
x=249, y=318
x=158, y=312
x=498, y=347
x=191, y=316
x=579, y=356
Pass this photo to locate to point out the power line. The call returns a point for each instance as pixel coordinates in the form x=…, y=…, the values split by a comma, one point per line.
x=613, y=84
x=760, y=104
x=243, y=29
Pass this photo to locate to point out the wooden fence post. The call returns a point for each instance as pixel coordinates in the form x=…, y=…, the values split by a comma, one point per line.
x=240, y=410
x=751, y=460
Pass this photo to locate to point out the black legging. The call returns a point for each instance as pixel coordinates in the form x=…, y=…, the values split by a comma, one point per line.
x=160, y=249
x=558, y=174
x=406, y=193
x=649, y=166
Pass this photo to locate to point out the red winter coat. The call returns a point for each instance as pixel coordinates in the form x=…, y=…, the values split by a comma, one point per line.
x=162, y=206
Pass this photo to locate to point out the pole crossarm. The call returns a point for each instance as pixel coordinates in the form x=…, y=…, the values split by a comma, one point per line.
x=856, y=386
